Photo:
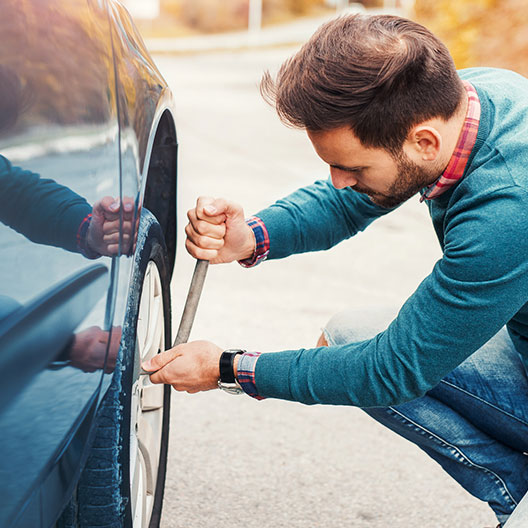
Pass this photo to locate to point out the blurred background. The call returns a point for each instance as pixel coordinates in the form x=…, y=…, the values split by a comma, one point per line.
x=474, y=30
x=233, y=461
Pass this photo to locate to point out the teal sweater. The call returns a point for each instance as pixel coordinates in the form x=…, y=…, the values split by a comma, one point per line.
x=479, y=285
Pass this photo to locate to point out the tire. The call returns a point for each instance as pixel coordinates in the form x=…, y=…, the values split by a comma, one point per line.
x=118, y=486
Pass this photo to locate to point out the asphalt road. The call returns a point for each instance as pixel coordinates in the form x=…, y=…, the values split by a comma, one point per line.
x=236, y=462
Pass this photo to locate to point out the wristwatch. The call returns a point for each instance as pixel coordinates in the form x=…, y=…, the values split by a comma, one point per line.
x=227, y=381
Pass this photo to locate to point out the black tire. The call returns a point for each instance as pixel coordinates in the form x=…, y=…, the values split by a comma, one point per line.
x=103, y=497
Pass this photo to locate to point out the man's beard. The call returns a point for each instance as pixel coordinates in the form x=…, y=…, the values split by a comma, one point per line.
x=411, y=179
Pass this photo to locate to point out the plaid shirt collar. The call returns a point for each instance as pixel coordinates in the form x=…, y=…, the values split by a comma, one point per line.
x=457, y=164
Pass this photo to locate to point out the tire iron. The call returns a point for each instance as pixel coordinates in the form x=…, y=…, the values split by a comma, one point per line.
x=191, y=305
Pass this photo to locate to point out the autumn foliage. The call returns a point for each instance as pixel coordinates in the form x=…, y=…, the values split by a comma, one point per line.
x=225, y=15
x=480, y=32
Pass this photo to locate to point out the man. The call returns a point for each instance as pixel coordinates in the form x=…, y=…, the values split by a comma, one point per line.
x=383, y=105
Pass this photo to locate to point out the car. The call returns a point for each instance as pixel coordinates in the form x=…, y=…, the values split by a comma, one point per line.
x=88, y=154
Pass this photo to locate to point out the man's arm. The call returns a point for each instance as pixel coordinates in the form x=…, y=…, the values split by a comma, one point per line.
x=49, y=213
x=476, y=288
x=40, y=209
x=313, y=218
x=317, y=217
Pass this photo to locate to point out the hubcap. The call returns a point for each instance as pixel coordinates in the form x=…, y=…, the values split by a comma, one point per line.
x=146, y=402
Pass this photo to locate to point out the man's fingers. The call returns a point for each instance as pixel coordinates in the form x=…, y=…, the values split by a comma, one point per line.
x=206, y=228
x=111, y=226
x=111, y=206
x=203, y=241
x=159, y=361
x=113, y=238
x=216, y=208
x=112, y=250
x=107, y=204
x=128, y=206
x=199, y=253
x=212, y=210
x=192, y=215
x=168, y=373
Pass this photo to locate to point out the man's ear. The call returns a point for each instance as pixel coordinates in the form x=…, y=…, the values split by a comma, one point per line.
x=426, y=142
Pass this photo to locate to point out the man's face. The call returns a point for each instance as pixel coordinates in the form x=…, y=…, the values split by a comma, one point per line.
x=387, y=179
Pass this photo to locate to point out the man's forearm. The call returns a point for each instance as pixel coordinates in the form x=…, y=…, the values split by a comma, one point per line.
x=315, y=218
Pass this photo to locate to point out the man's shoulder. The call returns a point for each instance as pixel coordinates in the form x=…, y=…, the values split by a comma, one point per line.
x=501, y=153
x=499, y=90
x=485, y=75
x=494, y=171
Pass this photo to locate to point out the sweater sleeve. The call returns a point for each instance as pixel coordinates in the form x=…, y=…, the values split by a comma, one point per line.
x=40, y=209
x=316, y=217
x=478, y=286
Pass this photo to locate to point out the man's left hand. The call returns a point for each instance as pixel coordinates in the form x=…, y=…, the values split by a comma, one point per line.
x=192, y=367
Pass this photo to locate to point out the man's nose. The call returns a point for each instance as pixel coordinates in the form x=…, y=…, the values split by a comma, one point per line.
x=342, y=179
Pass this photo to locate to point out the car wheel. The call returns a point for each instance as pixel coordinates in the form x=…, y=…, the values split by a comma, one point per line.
x=123, y=481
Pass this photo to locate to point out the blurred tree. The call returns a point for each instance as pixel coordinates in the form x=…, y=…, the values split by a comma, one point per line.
x=58, y=39
x=480, y=32
x=171, y=7
x=225, y=15
x=211, y=15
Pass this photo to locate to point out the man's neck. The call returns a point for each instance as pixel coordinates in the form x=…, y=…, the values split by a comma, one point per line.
x=451, y=130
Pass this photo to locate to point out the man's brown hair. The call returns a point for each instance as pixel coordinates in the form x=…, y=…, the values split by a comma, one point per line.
x=379, y=75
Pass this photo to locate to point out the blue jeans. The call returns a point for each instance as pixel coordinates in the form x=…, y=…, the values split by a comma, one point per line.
x=474, y=423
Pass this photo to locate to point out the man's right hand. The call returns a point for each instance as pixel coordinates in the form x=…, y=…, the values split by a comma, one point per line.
x=217, y=231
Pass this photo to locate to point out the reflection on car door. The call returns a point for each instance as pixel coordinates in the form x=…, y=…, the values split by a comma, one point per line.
x=59, y=157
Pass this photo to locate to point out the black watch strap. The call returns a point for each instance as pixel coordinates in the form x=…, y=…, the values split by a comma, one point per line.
x=226, y=365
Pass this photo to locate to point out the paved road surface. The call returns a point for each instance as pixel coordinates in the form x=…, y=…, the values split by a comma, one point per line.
x=237, y=462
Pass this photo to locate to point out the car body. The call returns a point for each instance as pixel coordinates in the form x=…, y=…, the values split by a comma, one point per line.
x=84, y=115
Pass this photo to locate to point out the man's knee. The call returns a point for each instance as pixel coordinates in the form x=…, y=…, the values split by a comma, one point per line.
x=356, y=325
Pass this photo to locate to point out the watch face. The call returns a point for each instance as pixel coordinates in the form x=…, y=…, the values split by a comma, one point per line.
x=231, y=388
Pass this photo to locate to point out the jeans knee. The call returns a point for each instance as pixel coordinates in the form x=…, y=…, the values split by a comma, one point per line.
x=355, y=325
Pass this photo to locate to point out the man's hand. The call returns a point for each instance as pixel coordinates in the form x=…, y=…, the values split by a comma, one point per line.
x=217, y=231
x=192, y=367
x=88, y=350
x=103, y=233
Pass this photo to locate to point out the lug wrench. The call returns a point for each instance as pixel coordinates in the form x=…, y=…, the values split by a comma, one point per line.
x=191, y=305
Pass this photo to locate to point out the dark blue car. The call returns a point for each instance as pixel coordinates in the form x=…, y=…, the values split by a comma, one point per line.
x=88, y=237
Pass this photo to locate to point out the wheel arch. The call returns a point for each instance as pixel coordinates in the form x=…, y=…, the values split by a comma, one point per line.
x=161, y=175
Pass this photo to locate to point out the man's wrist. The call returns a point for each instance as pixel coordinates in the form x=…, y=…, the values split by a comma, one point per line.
x=83, y=238
x=261, y=247
x=235, y=366
x=228, y=380
x=245, y=373
x=250, y=247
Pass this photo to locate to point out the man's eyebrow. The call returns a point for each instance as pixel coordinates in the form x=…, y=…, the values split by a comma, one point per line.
x=349, y=169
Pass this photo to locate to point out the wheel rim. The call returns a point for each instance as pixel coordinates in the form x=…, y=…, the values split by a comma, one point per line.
x=146, y=425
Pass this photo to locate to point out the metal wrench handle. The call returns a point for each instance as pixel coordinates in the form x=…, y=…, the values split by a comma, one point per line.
x=191, y=305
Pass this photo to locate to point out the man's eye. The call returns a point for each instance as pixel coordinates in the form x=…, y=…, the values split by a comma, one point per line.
x=355, y=172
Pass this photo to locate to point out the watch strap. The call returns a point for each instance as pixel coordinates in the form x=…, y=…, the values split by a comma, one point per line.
x=226, y=365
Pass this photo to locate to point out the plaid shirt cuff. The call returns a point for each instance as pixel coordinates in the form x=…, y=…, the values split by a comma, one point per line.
x=262, y=244
x=82, y=246
x=246, y=373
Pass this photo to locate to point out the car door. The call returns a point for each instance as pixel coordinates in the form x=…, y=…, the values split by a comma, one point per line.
x=59, y=157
